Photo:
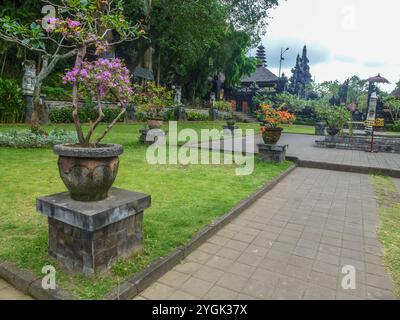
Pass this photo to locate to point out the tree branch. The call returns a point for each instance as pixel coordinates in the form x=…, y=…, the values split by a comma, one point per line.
x=97, y=122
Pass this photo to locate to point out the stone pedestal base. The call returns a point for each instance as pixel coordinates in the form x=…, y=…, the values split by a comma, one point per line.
x=151, y=136
x=89, y=237
x=274, y=153
x=230, y=129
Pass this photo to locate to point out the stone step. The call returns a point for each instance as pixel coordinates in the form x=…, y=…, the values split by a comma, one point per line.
x=245, y=117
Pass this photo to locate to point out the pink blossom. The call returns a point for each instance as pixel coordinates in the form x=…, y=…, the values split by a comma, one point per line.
x=73, y=24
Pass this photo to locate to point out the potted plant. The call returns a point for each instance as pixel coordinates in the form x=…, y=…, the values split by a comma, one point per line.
x=231, y=121
x=271, y=121
x=152, y=101
x=336, y=118
x=226, y=107
x=89, y=168
x=321, y=112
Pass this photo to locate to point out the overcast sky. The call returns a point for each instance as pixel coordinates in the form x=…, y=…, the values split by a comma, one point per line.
x=344, y=37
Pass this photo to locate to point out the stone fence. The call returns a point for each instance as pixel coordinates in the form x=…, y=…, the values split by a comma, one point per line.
x=362, y=143
x=58, y=104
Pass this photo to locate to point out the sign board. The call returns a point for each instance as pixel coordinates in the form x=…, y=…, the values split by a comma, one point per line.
x=375, y=123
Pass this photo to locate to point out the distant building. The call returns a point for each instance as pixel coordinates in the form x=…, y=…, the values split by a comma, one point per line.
x=396, y=93
x=261, y=79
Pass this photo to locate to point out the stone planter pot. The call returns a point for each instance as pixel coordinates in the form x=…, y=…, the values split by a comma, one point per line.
x=88, y=173
x=333, y=131
x=271, y=135
x=320, y=128
x=155, y=123
x=231, y=122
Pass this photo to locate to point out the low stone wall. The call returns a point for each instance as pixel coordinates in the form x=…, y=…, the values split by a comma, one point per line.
x=361, y=143
x=58, y=104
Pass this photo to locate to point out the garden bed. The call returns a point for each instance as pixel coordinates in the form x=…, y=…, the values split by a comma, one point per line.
x=185, y=199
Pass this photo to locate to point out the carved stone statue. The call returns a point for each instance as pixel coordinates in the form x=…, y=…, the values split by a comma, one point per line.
x=178, y=95
x=213, y=99
x=29, y=79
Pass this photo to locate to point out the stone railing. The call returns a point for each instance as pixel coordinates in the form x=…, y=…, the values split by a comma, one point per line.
x=362, y=143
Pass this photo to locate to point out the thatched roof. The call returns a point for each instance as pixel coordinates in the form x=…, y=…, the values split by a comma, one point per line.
x=262, y=75
x=143, y=73
x=396, y=93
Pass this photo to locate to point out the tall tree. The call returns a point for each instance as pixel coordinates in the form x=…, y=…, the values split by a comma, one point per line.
x=250, y=16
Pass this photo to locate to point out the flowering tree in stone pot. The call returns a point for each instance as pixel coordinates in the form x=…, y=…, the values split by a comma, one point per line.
x=89, y=168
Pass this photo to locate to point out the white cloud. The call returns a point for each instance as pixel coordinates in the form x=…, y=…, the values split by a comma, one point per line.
x=346, y=37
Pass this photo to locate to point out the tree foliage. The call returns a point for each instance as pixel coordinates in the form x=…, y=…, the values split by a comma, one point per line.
x=250, y=16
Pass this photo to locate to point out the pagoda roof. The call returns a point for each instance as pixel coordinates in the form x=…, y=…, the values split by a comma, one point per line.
x=262, y=74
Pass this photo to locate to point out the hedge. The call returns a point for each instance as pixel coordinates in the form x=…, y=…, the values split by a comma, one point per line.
x=86, y=114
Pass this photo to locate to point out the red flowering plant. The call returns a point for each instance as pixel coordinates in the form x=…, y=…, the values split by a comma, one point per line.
x=273, y=118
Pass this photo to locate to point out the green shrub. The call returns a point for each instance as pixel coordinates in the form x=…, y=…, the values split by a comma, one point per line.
x=61, y=115
x=140, y=116
x=28, y=139
x=169, y=115
x=223, y=105
x=56, y=93
x=12, y=104
x=110, y=114
x=197, y=116
x=394, y=127
x=86, y=113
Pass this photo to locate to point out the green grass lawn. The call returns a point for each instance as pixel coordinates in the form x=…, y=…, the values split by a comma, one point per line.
x=184, y=200
x=389, y=233
x=120, y=132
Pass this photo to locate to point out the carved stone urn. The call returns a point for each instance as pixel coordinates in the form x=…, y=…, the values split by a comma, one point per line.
x=271, y=136
x=88, y=173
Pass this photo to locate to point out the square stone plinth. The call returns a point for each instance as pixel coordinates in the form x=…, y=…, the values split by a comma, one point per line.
x=89, y=237
x=273, y=153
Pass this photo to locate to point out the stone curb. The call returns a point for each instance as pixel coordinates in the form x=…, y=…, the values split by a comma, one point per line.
x=29, y=284
x=345, y=168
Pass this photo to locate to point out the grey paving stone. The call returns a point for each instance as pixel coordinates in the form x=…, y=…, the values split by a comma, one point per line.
x=196, y=287
x=158, y=291
x=258, y=289
x=314, y=292
x=232, y=281
x=250, y=259
x=229, y=253
x=220, y=293
x=291, y=244
x=219, y=263
x=241, y=269
x=208, y=274
x=174, y=279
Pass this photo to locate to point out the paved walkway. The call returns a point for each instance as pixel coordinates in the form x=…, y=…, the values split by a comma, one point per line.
x=8, y=292
x=291, y=244
x=302, y=147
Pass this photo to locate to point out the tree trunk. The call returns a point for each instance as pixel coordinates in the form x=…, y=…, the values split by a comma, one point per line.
x=4, y=61
x=159, y=69
x=38, y=109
